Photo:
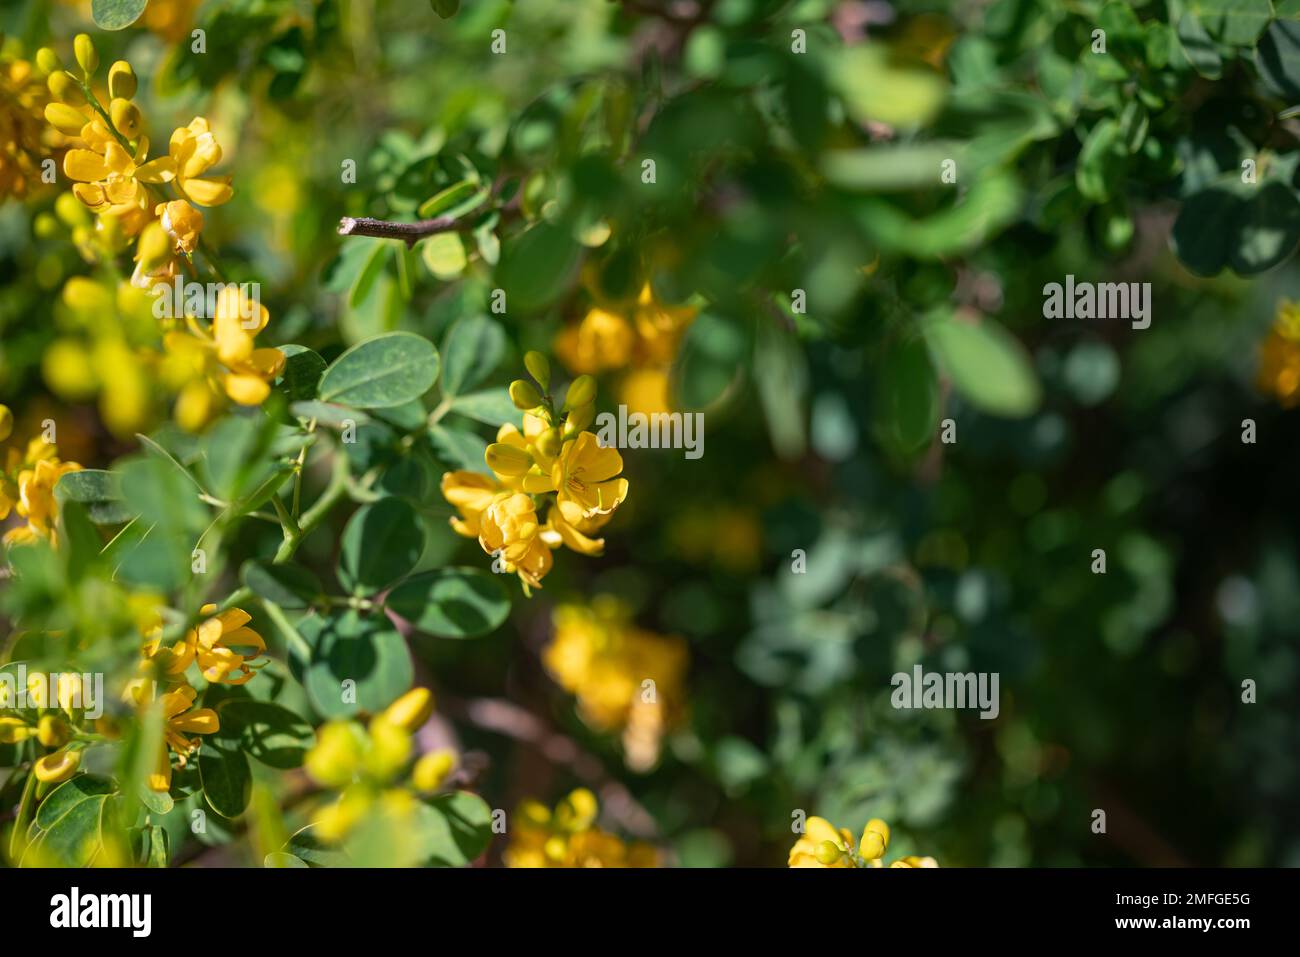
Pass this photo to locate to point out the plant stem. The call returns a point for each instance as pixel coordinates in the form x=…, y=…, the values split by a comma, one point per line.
x=409, y=233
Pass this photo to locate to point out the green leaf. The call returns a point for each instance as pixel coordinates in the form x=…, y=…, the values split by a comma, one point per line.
x=453, y=829
x=227, y=779
x=491, y=407
x=68, y=795
x=116, y=14
x=986, y=364
x=1267, y=229
x=444, y=254
x=384, y=371
x=74, y=839
x=889, y=168
x=1277, y=57
x=452, y=602
x=458, y=449
x=876, y=89
x=445, y=8
x=273, y=735
x=1204, y=233
x=288, y=585
x=537, y=266
x=311, y=850
x=381, y=543
x=302, y=371
x=909, y=394
x=350, y=648
x=283, y=859
x=329, y=414
x=1202, y=52
x=455, y=200
x=99, y=491
x=472, y=349
x=1098, y=167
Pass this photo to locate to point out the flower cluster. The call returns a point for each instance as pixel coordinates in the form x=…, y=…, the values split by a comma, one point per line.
x=625, y=678
x=822, y=845
x=25, y=141
x=27, y=485
x=1279, y=366
x=554, y=465
x=639, y=334
x=568, y=837
x=365, y=764
x=221, y=646
x=153, y=204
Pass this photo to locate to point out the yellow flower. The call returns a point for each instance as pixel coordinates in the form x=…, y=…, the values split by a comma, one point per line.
x=212, y=645
x=1279, y=365
x=568, y=837
x=180, y=718
x=182, y=222
x=616, y=335
x=57, y=767
x=603, y=340
x=433, y=769
x=25, y=139
x=509, y=530
x=624, y=678
x=191, y=152
x=471, y=493
x=822, y=845
x=585, y=477
x=36, y=500
x=204, y=363
x=411, y=710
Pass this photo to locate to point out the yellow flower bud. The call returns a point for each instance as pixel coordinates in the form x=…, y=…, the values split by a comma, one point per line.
x=548, y=443
x=581, y=392
x=48, y=61
x=70, y=211
x=524, y=395
x=411, y=710
x=879, y=827
x=579, y=418
x=337, y=754
x=390, y=748
x=154, y=248
x=126, y=117
x=121, y=80
x=84, y=48
x=433, y=769
x=57, y=767
x=64, y=118
x=538, y=368
x=577, y=812
x=828, y=852
x=14, y=731
x=333, y=821
x=873, y=845
x=6, y=422
x=64, y=88
x=507, y=459
x=71, y=692
x=53, y=731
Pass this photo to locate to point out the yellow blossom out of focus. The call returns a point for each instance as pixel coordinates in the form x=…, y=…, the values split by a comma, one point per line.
x=1279, y=365
x=25, y=138
x=625, y=678
x=612, y=336
x=27, y=488
x=568, y=837
x=823, y=845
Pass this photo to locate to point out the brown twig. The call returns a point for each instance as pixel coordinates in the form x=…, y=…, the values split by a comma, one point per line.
x=409, y=233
